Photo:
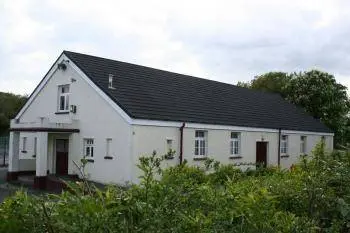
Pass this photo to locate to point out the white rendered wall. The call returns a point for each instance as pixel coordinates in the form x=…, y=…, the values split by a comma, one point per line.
x=149, y=138
x=96, y=119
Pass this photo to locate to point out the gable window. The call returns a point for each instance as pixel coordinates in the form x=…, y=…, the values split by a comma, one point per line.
x=89, y=147
x=63, y=98
x=200, y=145
x=24, y=144
x=235, y=144
x=303, y=144
x=284, y=144
x=108, y=146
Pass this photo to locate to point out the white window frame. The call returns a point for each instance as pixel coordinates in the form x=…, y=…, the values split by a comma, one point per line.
x=24, y=144
x=89, y=147
x=109, y=147
x=284, y=145
x=201, y=144
x=35, y=146
x=303, y=144
x=65, y=96
x=169, y=144
x=235, y=144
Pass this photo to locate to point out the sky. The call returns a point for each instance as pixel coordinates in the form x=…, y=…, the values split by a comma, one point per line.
x=227, y=41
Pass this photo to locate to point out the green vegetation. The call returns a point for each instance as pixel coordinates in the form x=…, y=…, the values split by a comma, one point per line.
x=315, y=91
x=10, y=104
x=313, y=197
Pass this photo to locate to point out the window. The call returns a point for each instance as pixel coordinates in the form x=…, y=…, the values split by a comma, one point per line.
x=108, y=147
x=169, y=145
x=323, y=139
x=89, y=147
x=200, y=145
x=24, y=144
x=235, y=149
x=35, y=141
x=284, y=144
x=303, y=144
x=63, y=98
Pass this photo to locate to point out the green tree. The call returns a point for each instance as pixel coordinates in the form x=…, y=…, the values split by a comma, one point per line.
x=9, y=106
x=315, y=91
x=322, y=97
x=272, y=82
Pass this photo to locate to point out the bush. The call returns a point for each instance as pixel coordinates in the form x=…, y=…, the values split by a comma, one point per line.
x=313, y=197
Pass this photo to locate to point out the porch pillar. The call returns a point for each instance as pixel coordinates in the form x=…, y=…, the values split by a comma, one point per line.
x=13, y=167
x=41, y=160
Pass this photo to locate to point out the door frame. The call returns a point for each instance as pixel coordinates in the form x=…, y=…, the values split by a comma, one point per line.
x=54, y=152
x=267, y=150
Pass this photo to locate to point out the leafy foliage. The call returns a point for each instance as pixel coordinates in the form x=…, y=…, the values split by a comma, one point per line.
x=274, y=82
x=316, y=92
x=313, y=197
x=9, y=106
x=321, y=96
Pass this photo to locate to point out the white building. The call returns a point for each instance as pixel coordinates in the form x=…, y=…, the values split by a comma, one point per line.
x=114, y=112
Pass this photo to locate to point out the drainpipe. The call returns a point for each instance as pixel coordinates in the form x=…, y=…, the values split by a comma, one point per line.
x=181, y=141
x=279, y=147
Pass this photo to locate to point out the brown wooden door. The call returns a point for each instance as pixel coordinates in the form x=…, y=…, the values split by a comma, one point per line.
x=61, y=156
x=261, y=153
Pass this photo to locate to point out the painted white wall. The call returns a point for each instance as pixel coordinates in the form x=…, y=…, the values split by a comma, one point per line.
x=149, y=138
x=96, y=119
x=99, y=119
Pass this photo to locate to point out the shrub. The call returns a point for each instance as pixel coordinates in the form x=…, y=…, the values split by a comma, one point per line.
x=313, y=197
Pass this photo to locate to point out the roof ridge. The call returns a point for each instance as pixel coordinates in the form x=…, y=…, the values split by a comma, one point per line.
x=176, y=73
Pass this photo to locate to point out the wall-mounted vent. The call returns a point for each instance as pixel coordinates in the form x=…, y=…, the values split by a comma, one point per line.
x=110, y=81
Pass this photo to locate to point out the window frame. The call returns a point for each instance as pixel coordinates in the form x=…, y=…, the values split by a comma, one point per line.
x=169, y=148
x=109, y=147
x=201, y=148
x=233, y=141
x=284, y=144
x=65, y=96
x=24, y=144
x=35, y=145
x=303, y=144
x=91, y=147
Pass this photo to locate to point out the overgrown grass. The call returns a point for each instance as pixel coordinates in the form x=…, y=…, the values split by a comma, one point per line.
x=313, y=197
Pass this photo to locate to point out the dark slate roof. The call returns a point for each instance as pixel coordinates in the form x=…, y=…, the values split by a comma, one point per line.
x=147, y=93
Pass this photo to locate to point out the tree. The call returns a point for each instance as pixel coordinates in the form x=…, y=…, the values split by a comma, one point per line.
x=322, y=97
x=315, y=91
x=272, y=82
x=9, y=106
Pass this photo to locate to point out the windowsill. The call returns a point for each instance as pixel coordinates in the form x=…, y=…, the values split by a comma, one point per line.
x=200, y=158
x=108, y=157
x=61, y=113
x=235, y=157
x=284, y=156
x=90, y=160
x=23, y=151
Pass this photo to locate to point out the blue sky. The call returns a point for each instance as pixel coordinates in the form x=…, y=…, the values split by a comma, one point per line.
x=228, y=41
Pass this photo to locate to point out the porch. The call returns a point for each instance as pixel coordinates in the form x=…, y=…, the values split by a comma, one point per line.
x=49, y=155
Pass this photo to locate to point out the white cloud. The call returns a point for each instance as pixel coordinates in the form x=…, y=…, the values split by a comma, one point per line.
x=223, y=40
